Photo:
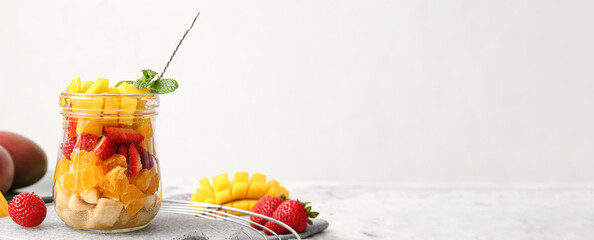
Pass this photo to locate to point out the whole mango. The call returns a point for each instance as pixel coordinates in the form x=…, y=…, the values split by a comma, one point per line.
x=30, y=162
x=6, y=170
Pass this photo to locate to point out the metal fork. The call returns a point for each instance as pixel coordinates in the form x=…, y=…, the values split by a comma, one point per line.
x=219, y=212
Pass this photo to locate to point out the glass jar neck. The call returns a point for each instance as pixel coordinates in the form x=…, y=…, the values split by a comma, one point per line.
x=108, y=105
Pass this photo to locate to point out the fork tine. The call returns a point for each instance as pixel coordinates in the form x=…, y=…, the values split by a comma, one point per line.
x=221, y=207
x=213, y=213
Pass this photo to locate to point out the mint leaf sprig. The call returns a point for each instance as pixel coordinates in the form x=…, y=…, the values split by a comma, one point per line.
x=158, y=86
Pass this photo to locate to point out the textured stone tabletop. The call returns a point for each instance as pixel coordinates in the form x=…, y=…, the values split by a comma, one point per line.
x=369, y=211
x=383, y=212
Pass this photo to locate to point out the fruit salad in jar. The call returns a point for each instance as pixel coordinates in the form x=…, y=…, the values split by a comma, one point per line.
x=107, y=177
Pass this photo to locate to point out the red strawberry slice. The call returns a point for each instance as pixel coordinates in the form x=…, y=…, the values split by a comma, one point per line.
x=71, y=126
x=68, y=147
x=146, y=158
x=123, y=150
x=124, y=135
x=85, y=141
x=265, y=206
x=134, y=161
x=105, y=148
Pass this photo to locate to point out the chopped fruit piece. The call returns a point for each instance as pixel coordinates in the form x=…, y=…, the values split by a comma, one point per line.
x=133, y=200
x=68, y=147
x=134, y=161
x=114, y=161
x=90, y=108
x=223, y=196
x=239, y=186
x=146, y=158
x=111, y=109
x=145, y=128
x=90, y=177
x=75, y=204
x=67, y=182
x=113, y=90
x=150, y=201
x=82, y=159
x=106, y=213
x=86, y=85
x=85, y=141
x=72, y=127
x=207, y=190
x=123, y=150
x=127, y=109
x=74, y=86
x=239, y=190
x=92, y=126
x=98, y=87
x=257, y=186
x=105, y=148
x=62, y=167
x=91, y=195
x=127, y=88
x=144, y=179
x=3, y=206
x=220, y=182
x=61, y=199
x=256, y=190
x=124, y=135
x=27, y=210
x=115, y=182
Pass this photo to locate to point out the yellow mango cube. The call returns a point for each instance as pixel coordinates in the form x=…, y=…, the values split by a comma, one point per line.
x=85, y=86
x=3, y=207
x=62, y=168
x=74, y=86
x=110, y=111
x=220, y=182
x=99, y=87
x=92, y=126
x=239, y=190
x=223, y=196
x=256, y=190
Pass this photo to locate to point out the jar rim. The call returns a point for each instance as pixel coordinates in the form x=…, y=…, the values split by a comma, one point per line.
x=108, y=94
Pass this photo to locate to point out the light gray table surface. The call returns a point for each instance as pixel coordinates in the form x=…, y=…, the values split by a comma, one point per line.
x=378, y=211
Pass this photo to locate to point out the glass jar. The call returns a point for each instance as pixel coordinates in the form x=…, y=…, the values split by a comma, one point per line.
x=107, y=177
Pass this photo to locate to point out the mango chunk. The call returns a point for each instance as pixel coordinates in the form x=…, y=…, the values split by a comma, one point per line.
x=99, y=87
x=220, y=182
x=74, y=86
x=223, y=196
x=85, y=86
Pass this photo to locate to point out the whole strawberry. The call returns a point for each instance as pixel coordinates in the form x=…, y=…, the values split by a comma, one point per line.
x=293, y=213
x=27, y=210
x=265, y=206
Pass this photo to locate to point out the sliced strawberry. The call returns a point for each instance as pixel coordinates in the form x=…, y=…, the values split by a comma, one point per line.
x=72, y=127
x=124, y=135
x=146, y=158
x=85, y=141
x=134, y=161
x=68, y=146
x=105, y=148
x=123, y=150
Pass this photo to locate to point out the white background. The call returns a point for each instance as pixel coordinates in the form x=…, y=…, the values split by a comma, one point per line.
x=411, y=93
